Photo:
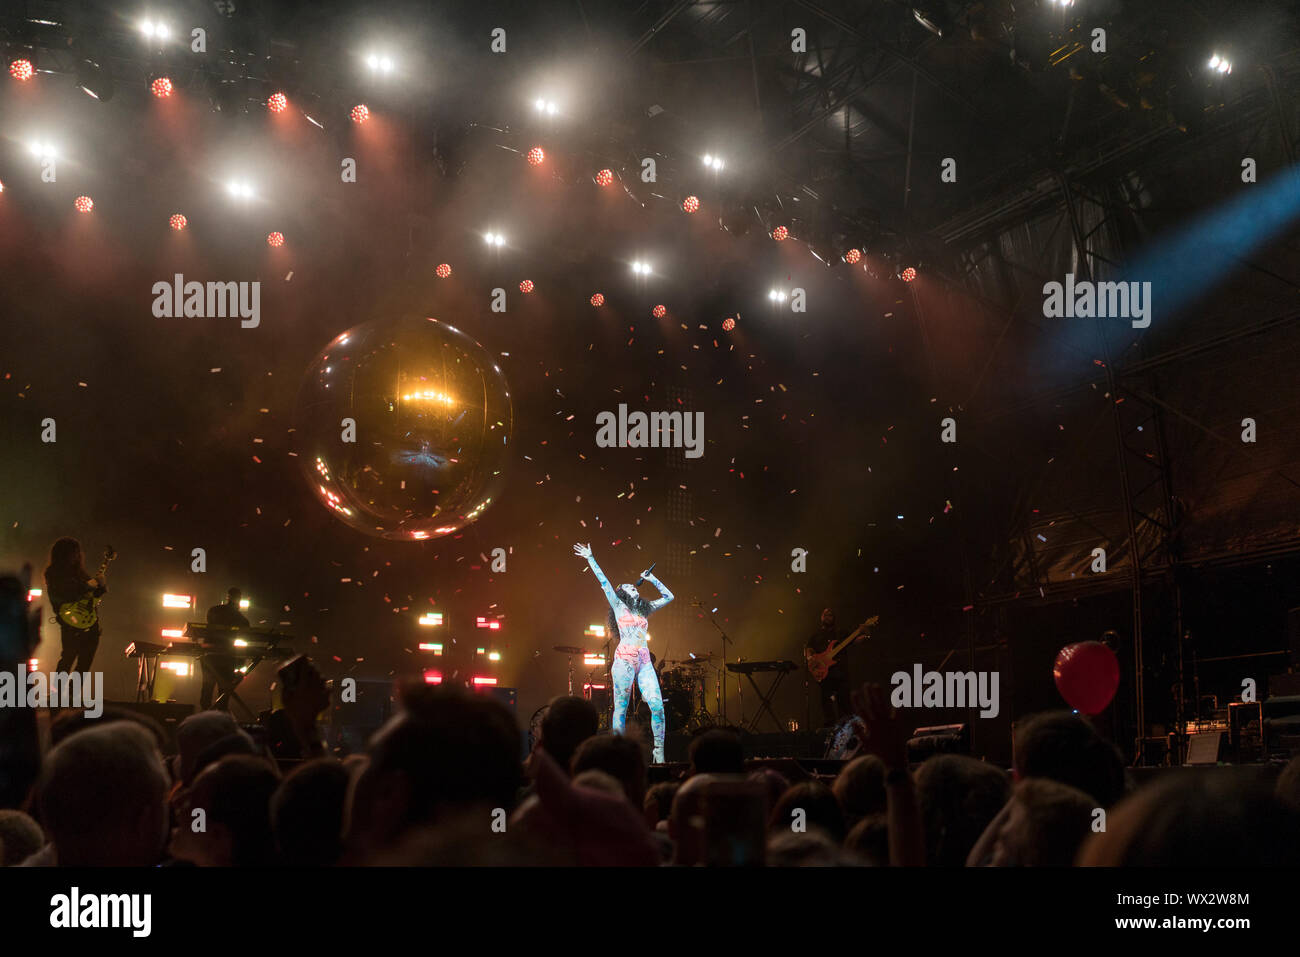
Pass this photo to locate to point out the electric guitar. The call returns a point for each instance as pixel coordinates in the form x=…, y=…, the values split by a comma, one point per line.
x=819, y=665
x=83, y=613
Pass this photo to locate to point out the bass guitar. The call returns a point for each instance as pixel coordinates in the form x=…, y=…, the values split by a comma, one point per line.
x=819, y=665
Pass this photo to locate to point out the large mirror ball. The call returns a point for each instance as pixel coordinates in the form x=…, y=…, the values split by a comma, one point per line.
x=403, y=428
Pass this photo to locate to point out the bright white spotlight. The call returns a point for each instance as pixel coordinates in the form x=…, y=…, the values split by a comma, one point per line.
x=641, y=269
x=550, y=109
x=160, y=31
x=372, y=61
x=148, y=28
x=239, y=189
x=1220, y=63
x=708, y=160
x=42, y=150
x=776, y=295
x=717, y=163
x=494, y=239
x=540, y=104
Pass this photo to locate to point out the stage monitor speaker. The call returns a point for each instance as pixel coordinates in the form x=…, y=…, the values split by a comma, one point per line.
x=1205, y=747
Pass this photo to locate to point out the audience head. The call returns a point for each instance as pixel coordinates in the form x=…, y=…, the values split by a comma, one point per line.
x=196, y=733
x=820, y=810
x=774, y=784
x=234, y=794
x=860, y=788
x=658, y=803
x=569, y=721
x=307, y=814
x=102, y=797
x=869, y=840
x=446, y=750
x=958, y=798
x=20, y=837
x=1191, y=820
x=1044, y=825
x=618, y=756
x=1064, y=747
x=717, y=751
x=1287, y=788
x=811, y=849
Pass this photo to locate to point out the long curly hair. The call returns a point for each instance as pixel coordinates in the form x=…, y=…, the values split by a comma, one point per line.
x=66, y=555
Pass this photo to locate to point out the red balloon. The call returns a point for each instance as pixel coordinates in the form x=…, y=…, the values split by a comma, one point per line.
x=1087, y=674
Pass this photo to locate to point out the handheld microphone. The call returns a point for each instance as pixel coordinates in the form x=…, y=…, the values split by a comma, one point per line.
x=647, y=572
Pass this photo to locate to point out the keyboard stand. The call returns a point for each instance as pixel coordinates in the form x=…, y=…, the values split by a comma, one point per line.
x=239, y=676
x=764, y=701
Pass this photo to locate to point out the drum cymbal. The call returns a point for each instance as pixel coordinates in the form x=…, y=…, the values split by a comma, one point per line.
x=569, y=649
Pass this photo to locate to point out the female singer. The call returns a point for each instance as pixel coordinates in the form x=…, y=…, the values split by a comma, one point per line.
x=628, y=614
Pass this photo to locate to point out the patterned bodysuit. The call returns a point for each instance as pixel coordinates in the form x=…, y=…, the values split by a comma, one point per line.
x=632, y=660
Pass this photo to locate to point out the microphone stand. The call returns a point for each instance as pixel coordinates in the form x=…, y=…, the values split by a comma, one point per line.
x=721, y=700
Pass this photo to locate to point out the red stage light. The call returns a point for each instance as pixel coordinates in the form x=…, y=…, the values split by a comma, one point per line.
x=275, y=239
x=691, y=204
x=852, y=256
x=605, y=177
x=83, y=204
x=443, y=270
x=535, y=156
x=598, y=300
x=660, y=311
x=526, y=286
x=908, y=274
x=161, y=87
x=780, y=233
x=177, y=221
x=728, y=324
x=277, y=102
x=21, y=70
x=360, y=113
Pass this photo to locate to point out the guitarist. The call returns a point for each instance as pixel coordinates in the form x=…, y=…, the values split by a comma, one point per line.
x=67, y=581
x=835, y=686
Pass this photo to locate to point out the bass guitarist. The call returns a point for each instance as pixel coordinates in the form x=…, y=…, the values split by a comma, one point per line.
x=835, y=686
x=66, y=584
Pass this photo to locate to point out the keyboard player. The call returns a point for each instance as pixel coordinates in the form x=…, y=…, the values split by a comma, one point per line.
x=225, y=615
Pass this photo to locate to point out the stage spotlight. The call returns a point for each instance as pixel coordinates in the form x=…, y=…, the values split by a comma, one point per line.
x=852, y=256
x=546, y=106
x=933, y=16
x=277, y=102
x=161, y=87
x=907, y=273
x=154, y=30
x=691, y=203
x=94, y=80
x=360, y=113
x=494, y=239
x=535, y=156
x=776, y=295
x=1220, y=64
x=43, y=150
x=641, y=269
x=728, y=324
x=780, y=233
x=526, y=286
x=83, y=204
x=598, y=300
x=443, y=270
x=660, y=311
x=177, y=222
x=2, y=187
x=21, y=69
x=239, y=189
x=275, y=239
x=605, y=177
x=379, y=63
